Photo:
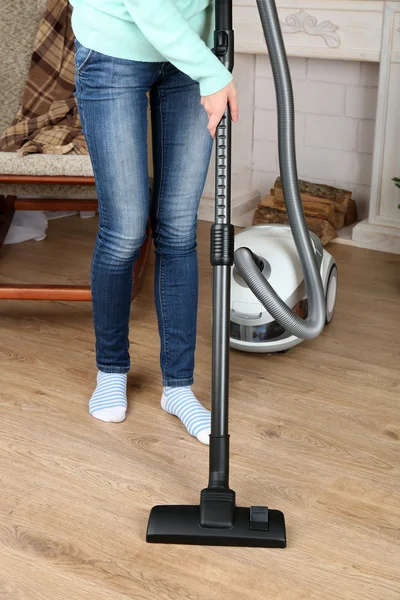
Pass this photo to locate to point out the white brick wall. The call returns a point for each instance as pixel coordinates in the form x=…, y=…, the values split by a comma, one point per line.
x=339, y=132
x=335, y=120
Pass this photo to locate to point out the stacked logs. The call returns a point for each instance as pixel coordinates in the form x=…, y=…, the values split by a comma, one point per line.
x=326, y=208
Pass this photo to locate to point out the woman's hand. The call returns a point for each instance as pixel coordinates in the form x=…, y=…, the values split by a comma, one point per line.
x=215, y=106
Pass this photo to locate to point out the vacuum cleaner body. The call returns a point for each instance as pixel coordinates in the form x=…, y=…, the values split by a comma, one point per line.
x=252, y=328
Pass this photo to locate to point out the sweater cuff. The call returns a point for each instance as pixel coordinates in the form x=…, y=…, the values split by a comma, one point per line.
x=212, y=84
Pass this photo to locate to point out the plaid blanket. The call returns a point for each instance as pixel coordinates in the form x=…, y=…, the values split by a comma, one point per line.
x=48, y=120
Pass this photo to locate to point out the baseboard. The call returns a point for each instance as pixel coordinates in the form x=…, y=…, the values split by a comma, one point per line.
x=377, y=237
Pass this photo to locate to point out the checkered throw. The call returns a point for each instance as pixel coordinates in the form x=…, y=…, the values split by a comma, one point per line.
x=48, y=120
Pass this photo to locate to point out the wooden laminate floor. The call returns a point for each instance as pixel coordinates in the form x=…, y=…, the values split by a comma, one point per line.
x=315, y=433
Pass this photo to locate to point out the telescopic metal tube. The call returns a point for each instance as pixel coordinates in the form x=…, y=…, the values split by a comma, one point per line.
x=222, y=261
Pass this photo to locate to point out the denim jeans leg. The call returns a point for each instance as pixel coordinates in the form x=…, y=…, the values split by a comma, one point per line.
x=181, y=152
x=112, y=103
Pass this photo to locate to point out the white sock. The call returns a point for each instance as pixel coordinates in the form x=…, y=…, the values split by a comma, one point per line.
x=109, y=402
x=181, y=402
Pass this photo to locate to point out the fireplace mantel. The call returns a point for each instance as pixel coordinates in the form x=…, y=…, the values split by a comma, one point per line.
x=333, y=29
x=364, y=30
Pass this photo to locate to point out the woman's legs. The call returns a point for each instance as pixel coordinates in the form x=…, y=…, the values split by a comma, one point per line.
x=112, y=101
x=181, y=151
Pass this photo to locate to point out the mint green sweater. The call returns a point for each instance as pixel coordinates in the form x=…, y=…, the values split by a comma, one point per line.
x=178, y=31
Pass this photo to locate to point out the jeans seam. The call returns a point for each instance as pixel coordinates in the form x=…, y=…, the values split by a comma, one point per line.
x=162, y=306
x=171, y=382
x=83, y=119
x=107, y=368
x=160, y=196
x=162, y=166
x=92, y=279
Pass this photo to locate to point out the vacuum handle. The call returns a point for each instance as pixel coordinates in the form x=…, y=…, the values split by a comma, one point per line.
x=224, y=47
x=224, y=50
x=223, y=14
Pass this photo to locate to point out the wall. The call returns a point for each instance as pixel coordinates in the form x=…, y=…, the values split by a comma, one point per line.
x=335, y=120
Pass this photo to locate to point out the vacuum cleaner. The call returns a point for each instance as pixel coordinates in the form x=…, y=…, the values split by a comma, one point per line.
x=217, y=520
x=253, y=329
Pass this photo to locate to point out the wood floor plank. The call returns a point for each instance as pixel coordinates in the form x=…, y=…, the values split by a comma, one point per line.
x=315, y=432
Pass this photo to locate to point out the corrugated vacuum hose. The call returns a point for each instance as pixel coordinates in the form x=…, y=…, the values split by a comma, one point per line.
x=244, y=262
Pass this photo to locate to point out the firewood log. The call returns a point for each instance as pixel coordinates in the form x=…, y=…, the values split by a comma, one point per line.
x=351, y=213
x=266, y=215
x=338, y=196
x=337, y=217
x=312, y=208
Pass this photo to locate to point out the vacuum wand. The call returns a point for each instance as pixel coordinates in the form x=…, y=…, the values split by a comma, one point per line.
x=217, y=520
x=221, y=257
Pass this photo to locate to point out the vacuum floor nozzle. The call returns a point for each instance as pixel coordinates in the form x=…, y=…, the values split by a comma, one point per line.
x=252, y=527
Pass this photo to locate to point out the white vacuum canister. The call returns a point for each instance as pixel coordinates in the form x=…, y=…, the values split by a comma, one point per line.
x=253, y=329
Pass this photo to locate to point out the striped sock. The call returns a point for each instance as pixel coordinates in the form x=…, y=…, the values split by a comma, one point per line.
x=108, y=402
x=181, y=402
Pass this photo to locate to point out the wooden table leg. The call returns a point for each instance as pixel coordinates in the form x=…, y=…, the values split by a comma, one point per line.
x=7, y=211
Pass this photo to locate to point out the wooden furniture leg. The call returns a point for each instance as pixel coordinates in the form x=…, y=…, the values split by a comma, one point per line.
x=7, y=210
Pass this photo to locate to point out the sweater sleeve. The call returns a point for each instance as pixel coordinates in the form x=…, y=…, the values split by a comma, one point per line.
x=162, y=23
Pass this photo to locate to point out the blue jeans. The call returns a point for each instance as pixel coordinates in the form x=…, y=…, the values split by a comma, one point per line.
x=112, y=101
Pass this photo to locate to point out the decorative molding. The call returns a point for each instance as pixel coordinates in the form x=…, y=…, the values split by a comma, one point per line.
x=383, y=213
x=303, y=22
x=355, y=28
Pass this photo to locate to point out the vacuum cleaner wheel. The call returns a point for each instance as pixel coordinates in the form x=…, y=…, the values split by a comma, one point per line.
x=331, y=294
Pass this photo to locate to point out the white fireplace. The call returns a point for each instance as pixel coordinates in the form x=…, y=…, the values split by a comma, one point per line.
x=345, y=64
